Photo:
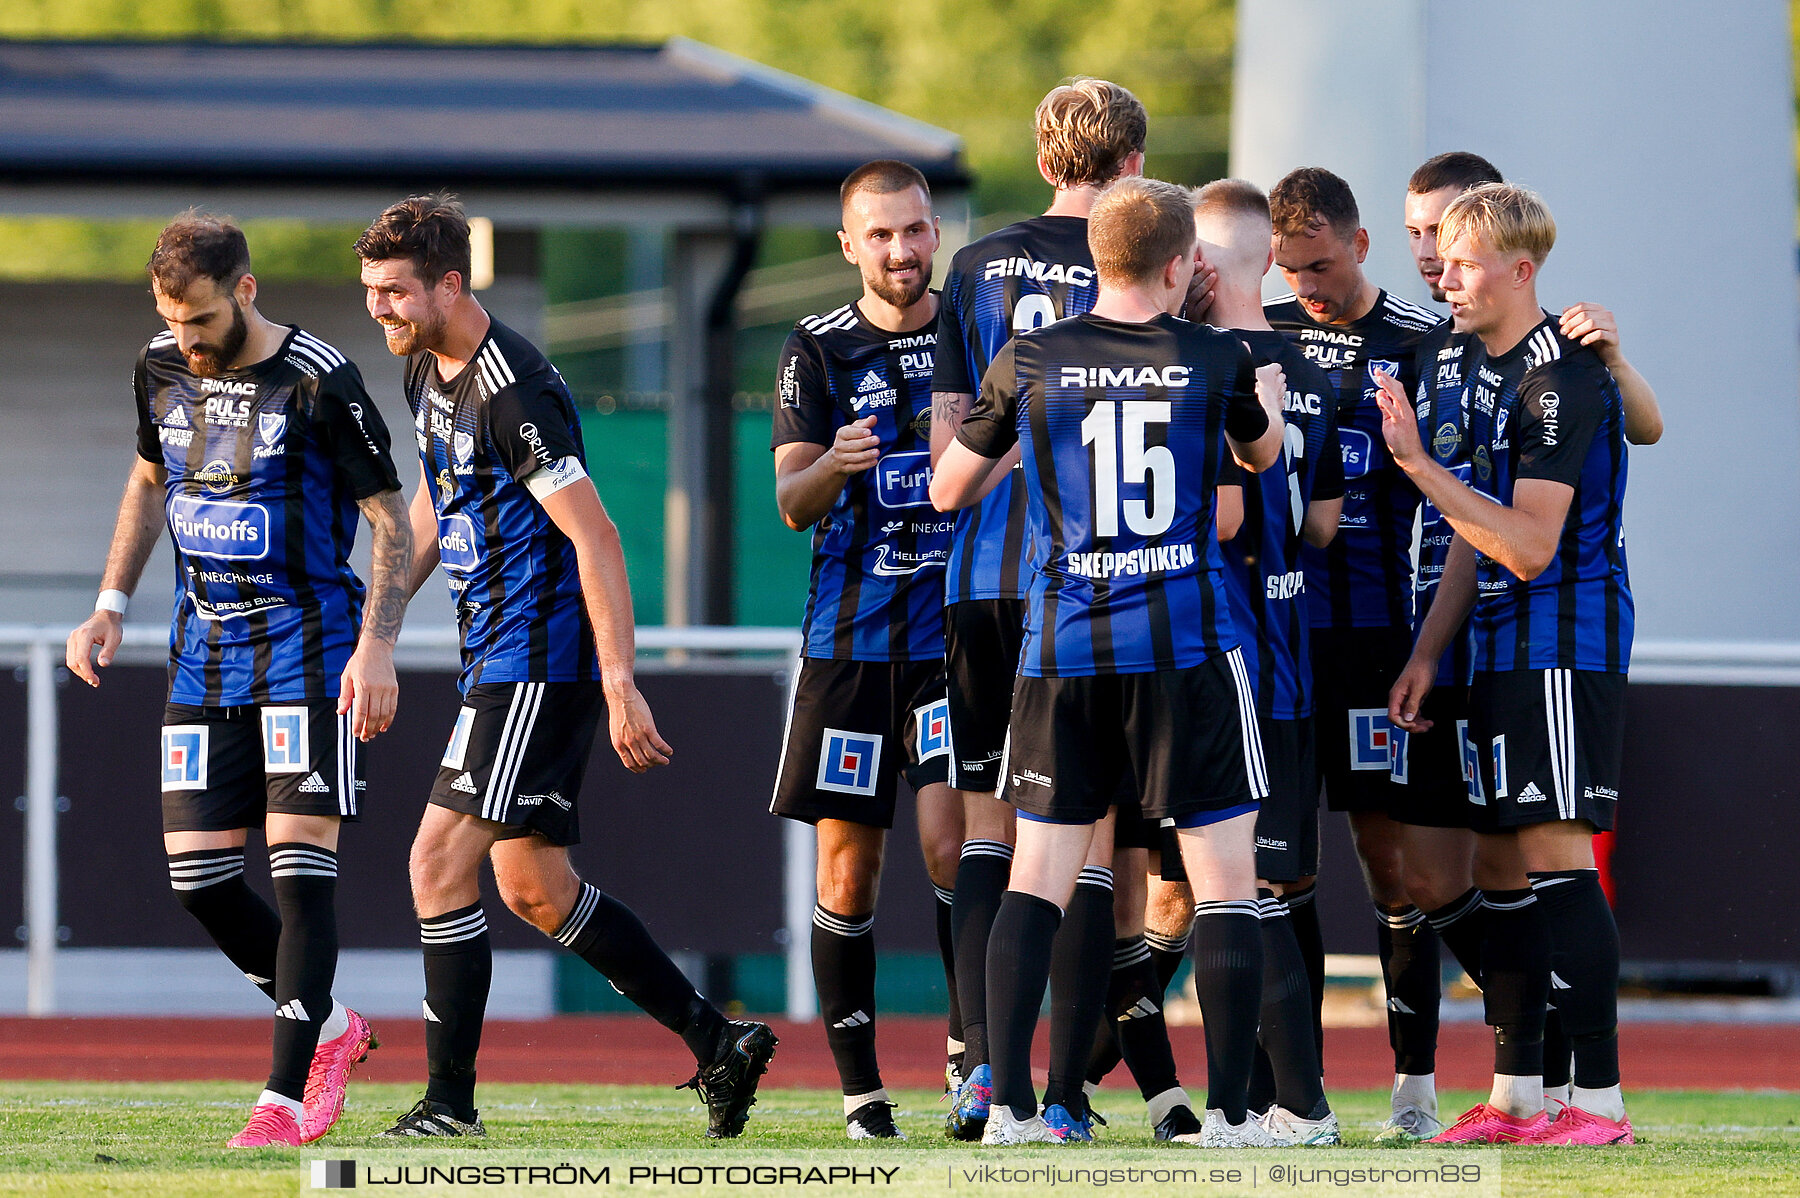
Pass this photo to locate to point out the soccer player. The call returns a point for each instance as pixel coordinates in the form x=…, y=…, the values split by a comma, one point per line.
x=1537, y=565
x=1131, y=668
x=852, y=462
x=1443, y=877
x=1090, y=132
x=505, y=505
x=258, y=445
x=1359, y=587
x=1296, y=503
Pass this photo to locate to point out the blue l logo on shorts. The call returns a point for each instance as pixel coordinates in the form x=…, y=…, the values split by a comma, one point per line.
x=1371, y=737
x=934, y=729
x=848, y=762
x=184, y=758
x=1471, y=763
x=283, y=741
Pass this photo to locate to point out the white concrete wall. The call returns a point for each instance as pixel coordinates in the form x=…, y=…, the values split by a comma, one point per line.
x=1662, y=137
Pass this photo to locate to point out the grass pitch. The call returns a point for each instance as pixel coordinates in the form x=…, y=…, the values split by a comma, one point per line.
x=78, y=1138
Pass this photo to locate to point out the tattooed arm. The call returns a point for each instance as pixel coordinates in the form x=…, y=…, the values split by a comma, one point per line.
x=368, y=684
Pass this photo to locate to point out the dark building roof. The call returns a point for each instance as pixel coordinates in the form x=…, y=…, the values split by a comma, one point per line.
x=404, y=116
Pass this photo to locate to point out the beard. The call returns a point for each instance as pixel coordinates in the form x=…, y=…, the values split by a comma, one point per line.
x=900, y=295
x=410, y=337
x=210, y=361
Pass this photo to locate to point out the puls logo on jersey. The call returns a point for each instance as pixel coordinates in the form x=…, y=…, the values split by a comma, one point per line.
x=917, y=366
x=219, y=528
x=904, y=480
x=872, y=391
x=456, y=542
x=1037, y=272
x=234, y=413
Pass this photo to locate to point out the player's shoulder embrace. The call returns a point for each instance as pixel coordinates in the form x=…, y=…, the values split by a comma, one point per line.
x=1409, y=316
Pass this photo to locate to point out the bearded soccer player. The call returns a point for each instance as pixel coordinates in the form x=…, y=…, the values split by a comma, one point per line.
x=1089, y=133
x=506, y=506
x=1444, y=876
x=1359, y=587
x=1537, y=565
x=852, y=461
x=1131, y=670
x=1298, y=503
x=258, y=445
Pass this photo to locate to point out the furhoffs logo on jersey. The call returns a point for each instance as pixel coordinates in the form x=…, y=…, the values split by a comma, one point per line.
x=184, y=757
x=934, y=729
x=1371, y=739
x=1358, y=451
x=219, y=528
x=456, y=542
x=904, y=480
x=872, y=391
x=849, y=762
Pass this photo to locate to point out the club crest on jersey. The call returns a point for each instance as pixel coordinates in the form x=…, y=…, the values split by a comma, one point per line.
x=1385, y=366
x=849, y=761
x=1371, y=739
x=463, y=452
x=184, y=757
x=285, y=734
x=270, y=426
x=934, y=730
x=1358, y=450
x=904, y=480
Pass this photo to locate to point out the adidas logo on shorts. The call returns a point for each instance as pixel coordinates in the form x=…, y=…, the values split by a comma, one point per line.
x=1531, y=794
x=314, y=785
x=465, y=784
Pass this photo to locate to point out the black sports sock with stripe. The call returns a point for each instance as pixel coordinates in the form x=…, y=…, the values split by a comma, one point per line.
x=459, y=968
x=843, y=956
x=1515, y=966
x=1228, y=966
x=609, y=936
x=947, y=954
x=1286, y=1027
x=1135, y=1010
x=981, y=876
x=209, y=883
x=1079, y=975
x=305, y=878
x=1458, y=924
x=1584, y=957
x=1018, y=965
x=1303, y=911
x=1409, y=967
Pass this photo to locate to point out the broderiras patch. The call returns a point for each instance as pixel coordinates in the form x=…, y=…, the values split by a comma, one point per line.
x=184, y=757
x=284, y=734
x=848, y=762
x=934, y=729
x=1484, y=464
x=1445, y=441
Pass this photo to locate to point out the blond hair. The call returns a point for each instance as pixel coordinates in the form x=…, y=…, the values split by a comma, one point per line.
x=1136, y=226
x=1503, y=218
x=1086, y=129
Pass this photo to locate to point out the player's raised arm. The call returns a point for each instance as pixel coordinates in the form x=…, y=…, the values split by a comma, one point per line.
x=577, y=511
x=1594, y=326
x=985, y=438
x=139, y=524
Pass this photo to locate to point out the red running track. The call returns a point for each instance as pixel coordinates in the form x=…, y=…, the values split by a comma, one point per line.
x=634, y=1051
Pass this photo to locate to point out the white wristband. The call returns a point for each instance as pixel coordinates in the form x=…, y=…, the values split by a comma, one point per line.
x=113, y=601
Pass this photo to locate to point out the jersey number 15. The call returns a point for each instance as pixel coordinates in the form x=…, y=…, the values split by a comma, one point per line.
x=1151, y=465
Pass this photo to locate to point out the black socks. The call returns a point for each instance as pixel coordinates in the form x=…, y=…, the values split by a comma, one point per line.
x=1584, y=958
x=609, y=936
x=1304, y=914
x=1409, y=967
x=1286, y=1034
x=210, y=884
x=981, y=876
x=1515, y=966
x=1228, y=967
x=305, y=878
x=1079, y=974
x=947, y=953
x=1018, y=965
x=459, y=966
x=1458, y=924
x=843, y=955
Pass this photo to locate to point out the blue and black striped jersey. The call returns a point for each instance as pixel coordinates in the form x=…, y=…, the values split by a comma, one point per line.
x=1021, y=277
x=1121, y=431
x=513, y=573
x=1363, y=579
x=878, y=555
x=1549, y=409
x=1447, y=364
x=265, y=467
x=1264, y=573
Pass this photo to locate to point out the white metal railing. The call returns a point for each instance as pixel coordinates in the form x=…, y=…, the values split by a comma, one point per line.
x=39, y=650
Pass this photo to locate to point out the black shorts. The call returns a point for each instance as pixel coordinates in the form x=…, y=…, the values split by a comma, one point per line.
x=982, y=639
x=225, y=768
x=1353, y=670
x=1187, y=738
x=1550, y=744
x=517, y=756
x=853, y=729
x=1287, y=825
x=1431, y=770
